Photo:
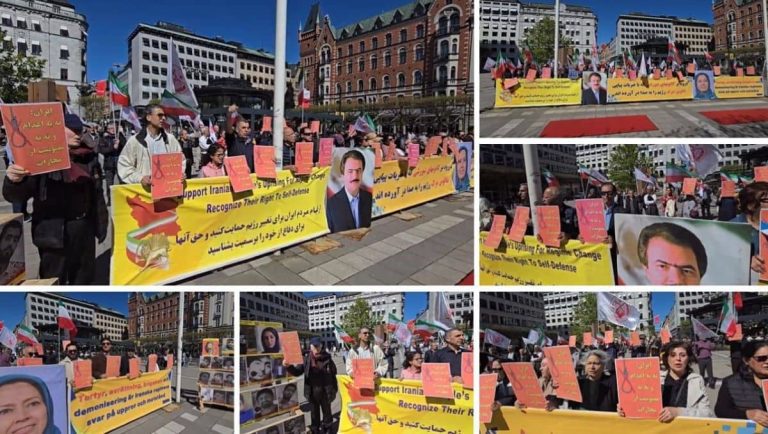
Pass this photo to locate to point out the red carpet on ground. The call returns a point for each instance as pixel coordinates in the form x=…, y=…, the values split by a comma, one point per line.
x=468, y=280
x=740, y=116
x=598, y=126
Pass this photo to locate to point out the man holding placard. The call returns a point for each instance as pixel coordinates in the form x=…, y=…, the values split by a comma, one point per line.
x=367, y=350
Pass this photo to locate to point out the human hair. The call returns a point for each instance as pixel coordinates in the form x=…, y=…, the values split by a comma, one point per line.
x=669, y=346
x=264, y=392
x=290, y=386
x=353, y=154
x=676, y=235
x=596, y=74
x=749, y=349
x=696, y=78
x=150, y=109
x=409, y=355
x=612, y=185
x=213, y=148
x=749, y=195
x=106, y=340
x=70, y=345
x=602, y=355
x=275, y=347
x=13, y=224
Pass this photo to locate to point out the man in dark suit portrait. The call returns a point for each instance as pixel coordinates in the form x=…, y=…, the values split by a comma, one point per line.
x=594, y=94
x=350, y=208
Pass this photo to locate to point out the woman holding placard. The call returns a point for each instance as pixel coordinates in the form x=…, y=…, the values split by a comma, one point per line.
x=598, y=390
x=320, y=387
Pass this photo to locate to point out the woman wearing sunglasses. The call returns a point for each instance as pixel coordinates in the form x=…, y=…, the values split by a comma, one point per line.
x=741, y=394
x=752, y=198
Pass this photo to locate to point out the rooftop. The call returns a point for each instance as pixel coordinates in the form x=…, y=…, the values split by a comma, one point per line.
x=413, y=9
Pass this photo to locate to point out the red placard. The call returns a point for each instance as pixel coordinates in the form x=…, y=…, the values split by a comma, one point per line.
x=413, y=154
x=546, y=72
x=608, y=336
x=169, y=362
x=669, y=74
x=761, y=173
x=39, y=349
x=325, y=153
x=468, y=370
x=632, y=74
x=689, y=186
x=391, y=152
x=561, y=367
x=634, y=338
x=509, y=83
x=716, y=69
x=738, y=335
x=739, y=72
x=152, y=363
x=167, y=175
x=362, y=373
x=314, y=126
x=572, y=341
x=691, y=68
x=665, y=335
x=525, y=384
x=531, y=75
x=432, y=144
x=586, y=339
x=113, y=366
x=497, y=231
x=29, y=361
x=378, y=155
x=750, y=70
x=520, y=224
x=239, y=173
x=266, y=124
x=265, y=161
x=763, y=240
x=680, y=75
x=728, y=189
x=656, y=73
x=639, y=387
x=133, y=368
x=619, y=73
x=83, y=374
x=487, y=395
x=304, y=158
x=436, y=380
x=591, y=220
x=36, y=135
x=548, y=217
x=289, y=343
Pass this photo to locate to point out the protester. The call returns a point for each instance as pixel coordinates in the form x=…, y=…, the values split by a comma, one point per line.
x=598, y=390
x=187, y=143
x=704, y=348
x=451, y=353
x=430, y=354
x=99, y=360
x=412, y=366
x=741, y=394
x=110, y=146
x=367, y=350
x=752, y=199
x=68, y=362
x=389, y=356
x=215, y=166
x=238, y=137
x=569, y=229
x=320, y=387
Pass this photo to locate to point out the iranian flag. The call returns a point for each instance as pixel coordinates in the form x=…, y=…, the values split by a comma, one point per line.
x=65, y=321
x=342, y=336
x=6, y=337
x=551, y=178
x=174, y=106
x=425, y=329
x=118, y=91
x=728, y=318
x=26, y=335
x=392, y=322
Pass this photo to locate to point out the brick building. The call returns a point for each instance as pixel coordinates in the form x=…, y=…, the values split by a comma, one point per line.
x=423, y=48
x=157, y=315
x=738, y=24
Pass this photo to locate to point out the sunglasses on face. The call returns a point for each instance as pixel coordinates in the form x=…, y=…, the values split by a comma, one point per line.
x=106, y=344
x=161, y=115
x=761, y=359
x=606, y=193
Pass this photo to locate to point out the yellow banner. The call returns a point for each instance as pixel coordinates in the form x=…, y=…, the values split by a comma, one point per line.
x=394, y=189
x=663, y=89
x=738, y=87
x=400, y=407
x=510, y=420
x=211, y=227
x=556, y=91
x=531, y=263
x=112, y=403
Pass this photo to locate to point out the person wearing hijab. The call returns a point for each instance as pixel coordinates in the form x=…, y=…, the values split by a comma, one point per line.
x=270, y=340
x=320, y=387
x=25, y=402
x=702, y=86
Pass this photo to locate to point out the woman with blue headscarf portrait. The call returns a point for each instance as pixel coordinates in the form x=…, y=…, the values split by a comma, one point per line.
x=25, y=406
x=702, y=83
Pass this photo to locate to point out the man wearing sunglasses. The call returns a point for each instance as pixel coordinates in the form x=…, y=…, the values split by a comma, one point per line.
x=71, y=352
x=134, y=165
x=366, y=349
x=99, y=360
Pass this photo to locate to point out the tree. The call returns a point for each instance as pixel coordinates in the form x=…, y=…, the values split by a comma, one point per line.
x=359, y=316
x=96, y=107
x=16, y=71
x=622, y=163
x=685, y=329
x=541, y=41
x=584, y=315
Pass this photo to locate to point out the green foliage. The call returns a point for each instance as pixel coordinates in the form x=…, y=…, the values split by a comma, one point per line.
x=96, y=108
x=584, y=315
x=358, y=316
x=622, y=163
x=685, y=330
x=16, y=71
x=541, y=41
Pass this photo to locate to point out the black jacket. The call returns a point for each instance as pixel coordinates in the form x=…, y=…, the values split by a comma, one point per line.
x=602, y=396
x=323, y=375
x=738, y=394
x=340, y=214
x=107, y=149
x=237, y=146
x=588, y=97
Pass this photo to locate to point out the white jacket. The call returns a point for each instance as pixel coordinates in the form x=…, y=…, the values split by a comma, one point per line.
x=697, y=404
x=379, y=363
x=134, y=162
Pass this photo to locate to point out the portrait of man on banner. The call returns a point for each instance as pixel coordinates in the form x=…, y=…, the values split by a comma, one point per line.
x=34, y=397
x=350, y=198
x=594, y=88
x=676, y=251
x=12, y=265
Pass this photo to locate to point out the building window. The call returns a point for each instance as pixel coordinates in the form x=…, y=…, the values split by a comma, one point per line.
x=21, y=47
x=349, y=87
x=64, y=74
x=372, y=84
x=374, y=61
x=145, y=69
x=387, y=59
x=403, y=35
x=145, y=42
x=402, y=55
x=64, y=53
x=349, y=66
x=338, y=69
x=36, y=49
x=388, y=40
x=419, y=31
x=360, y=86
x=401, y=80
x=361, y=64
x=21, y=23
x=419, y=50
x=155, y=57
x=362, y=46
x=36, y=26
x=385, y=82
x=418, y=78
x=63, y=31
x=375, y=42
x=155, y=44
x=164, y=58
x=7, y=21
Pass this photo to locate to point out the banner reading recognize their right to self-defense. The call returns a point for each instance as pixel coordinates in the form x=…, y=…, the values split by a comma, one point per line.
x=557, y=91
x=394, y=190
x=400, y=406
x=738, y=87
x=510, y=420
x=163, y=241
x=112, y=403
x=532, y=263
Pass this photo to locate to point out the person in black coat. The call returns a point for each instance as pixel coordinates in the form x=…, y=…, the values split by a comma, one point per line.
x=741, y=394
x=598, y=390
x=350, y=208
x=110, y=146
x=320, y=387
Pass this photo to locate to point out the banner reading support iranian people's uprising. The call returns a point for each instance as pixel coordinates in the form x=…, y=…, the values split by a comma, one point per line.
x=400, y=406
x=395, y=189
x=532, y=263
x=510, y=420
x=163, y=241
x=112, y=403
x=559, y=91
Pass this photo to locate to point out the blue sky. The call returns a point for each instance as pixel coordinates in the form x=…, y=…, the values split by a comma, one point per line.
x=661, y=304
x=415, y=302
x=13, y=303
x=249, y=22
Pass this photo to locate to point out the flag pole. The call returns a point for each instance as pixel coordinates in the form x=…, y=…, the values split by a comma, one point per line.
x=178, y=346
x=281, y=11
x=58, y=348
